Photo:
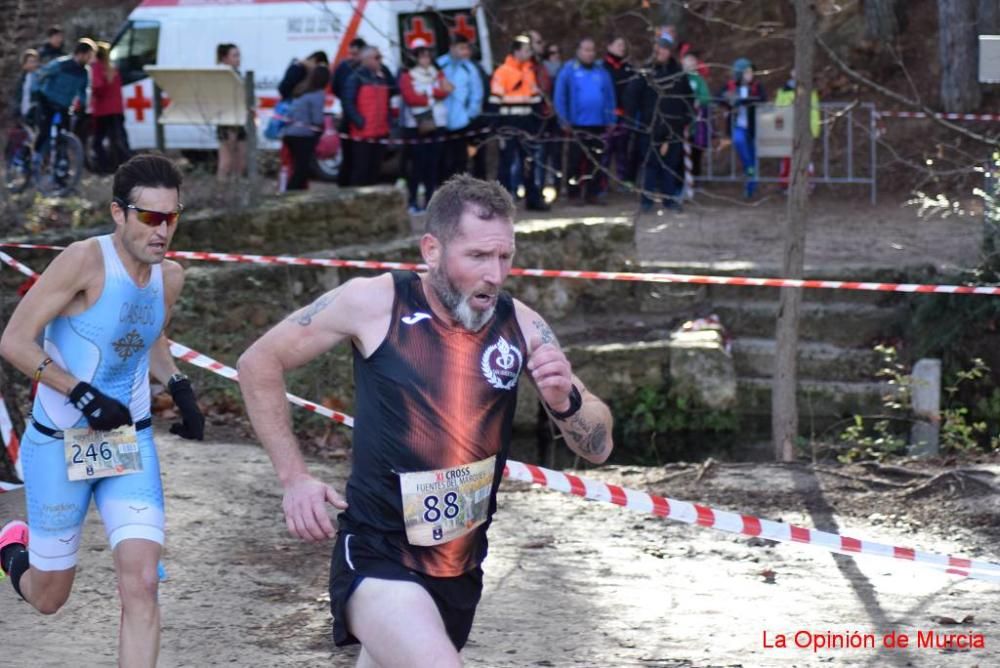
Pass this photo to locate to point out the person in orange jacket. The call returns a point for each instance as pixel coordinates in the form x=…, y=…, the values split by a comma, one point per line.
x=515, y=93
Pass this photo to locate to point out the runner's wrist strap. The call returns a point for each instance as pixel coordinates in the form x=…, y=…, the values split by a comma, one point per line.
x=575, y=402
x=38, y=376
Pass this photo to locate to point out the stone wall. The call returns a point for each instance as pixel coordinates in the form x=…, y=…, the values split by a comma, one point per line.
x=225, y=307
x=300, y=223
x=315, y=220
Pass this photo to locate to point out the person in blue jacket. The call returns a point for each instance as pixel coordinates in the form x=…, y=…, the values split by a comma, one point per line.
x=61, y=82
x=741, y=95
x=585, y=105
x=464, y=104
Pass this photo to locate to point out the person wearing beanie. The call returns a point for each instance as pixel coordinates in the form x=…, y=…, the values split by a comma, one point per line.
x=741, y=95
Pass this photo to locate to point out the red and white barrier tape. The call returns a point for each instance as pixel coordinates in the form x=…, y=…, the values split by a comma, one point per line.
x=681, y=511
x=10, y=443
x=24, y=269
x=182, y=352
x=628, y=276
x=688, y=171
x=948, y=116
x=747, y=525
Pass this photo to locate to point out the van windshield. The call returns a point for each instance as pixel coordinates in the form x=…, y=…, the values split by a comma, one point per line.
x=135, y=48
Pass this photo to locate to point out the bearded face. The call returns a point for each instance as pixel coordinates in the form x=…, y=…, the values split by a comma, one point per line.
x=473, y=309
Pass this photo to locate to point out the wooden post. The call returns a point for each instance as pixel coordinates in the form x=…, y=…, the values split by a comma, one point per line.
x=161, y=139
x=251, y=128
x=784, y=409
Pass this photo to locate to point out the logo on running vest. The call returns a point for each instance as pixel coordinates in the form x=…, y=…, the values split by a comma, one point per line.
x=416, y=317
x=501, y=365
x=136, y=314
x=129, y=344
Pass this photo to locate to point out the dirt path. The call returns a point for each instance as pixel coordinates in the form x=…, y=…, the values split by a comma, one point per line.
x=569, y=583
x=845, y=233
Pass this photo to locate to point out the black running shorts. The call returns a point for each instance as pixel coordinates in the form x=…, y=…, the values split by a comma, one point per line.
x=355, y=558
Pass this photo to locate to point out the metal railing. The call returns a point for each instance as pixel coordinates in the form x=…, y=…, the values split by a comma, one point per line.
x=844, y=129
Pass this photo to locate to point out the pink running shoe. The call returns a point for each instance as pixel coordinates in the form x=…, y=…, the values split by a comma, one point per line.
x=13, y=533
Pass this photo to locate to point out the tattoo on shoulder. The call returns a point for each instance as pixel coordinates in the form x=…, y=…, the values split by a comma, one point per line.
x=548, y=336
x=304, y=316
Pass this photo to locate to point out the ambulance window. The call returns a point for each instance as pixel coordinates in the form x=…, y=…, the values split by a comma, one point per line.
x=135, y=48
x=436, y=28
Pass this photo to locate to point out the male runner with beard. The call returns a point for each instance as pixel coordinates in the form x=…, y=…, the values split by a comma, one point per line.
x=437, y=357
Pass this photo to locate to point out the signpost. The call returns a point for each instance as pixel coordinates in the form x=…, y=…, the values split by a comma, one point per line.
x=775, y=131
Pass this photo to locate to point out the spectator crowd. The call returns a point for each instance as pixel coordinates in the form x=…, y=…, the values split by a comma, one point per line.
x=579, y=127
x=583, y=126
x=55, y=86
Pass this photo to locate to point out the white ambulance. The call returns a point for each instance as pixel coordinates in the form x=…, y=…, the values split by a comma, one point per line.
x=269, y=34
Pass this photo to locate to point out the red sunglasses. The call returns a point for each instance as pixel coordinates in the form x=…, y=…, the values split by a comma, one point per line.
x=152, y=218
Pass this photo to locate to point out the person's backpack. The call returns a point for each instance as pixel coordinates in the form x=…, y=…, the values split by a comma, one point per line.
x=279, y=120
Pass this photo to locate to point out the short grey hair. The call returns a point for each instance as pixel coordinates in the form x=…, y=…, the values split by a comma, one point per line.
x=461, y=193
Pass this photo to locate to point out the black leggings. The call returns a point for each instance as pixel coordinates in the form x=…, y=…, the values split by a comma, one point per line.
x=303, y=149
x=426, y=160
x=112, y=128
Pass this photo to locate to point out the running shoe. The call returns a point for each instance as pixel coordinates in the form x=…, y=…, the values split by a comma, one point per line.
x=13, y=533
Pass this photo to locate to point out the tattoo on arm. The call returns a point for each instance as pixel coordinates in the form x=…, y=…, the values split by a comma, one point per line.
x=305, y=316
x=589, y=438
x=546, y=332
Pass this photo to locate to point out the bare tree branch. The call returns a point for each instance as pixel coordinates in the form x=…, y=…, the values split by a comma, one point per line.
x=902, y=99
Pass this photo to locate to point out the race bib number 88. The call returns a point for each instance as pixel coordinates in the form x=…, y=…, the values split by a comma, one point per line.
x=440, y=506
x=100, y=454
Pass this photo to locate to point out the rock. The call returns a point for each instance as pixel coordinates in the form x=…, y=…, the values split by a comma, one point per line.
x=616, y=370
x=701, y=368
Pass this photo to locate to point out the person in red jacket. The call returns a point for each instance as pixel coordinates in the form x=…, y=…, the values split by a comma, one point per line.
x=366, y=105
x=425, y=118
x=108, y=111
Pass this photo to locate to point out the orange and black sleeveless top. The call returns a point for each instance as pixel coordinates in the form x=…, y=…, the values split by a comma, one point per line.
x=431, y=396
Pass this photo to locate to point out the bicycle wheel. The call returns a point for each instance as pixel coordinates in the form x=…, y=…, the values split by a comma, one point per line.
x=61, y=167
x=17, y=168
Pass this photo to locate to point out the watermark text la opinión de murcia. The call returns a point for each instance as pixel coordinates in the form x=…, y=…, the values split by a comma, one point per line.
x=816, y=641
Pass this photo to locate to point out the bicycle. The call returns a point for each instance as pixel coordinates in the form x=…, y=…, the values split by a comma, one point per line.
x=58, y=168
x=18, y=158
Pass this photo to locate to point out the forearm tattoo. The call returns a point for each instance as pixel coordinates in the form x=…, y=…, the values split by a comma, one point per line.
x=304, y=317
x=546, y=332
x=589, y=438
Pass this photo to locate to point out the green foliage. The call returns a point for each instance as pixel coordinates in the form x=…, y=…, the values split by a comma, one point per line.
x=872, y=440
x=881, y=436
x=658, y=423
x=962, y=429
x=662, y=410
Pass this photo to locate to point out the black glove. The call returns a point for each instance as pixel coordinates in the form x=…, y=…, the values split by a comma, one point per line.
x=102, y=412
x=192, y=425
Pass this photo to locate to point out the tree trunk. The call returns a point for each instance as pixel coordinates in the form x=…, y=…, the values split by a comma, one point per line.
x=958, y=49
x=988, y=17
x=784, y=410
x=881, y=22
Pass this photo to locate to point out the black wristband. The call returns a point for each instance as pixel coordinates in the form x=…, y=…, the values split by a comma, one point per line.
x=575, y=402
